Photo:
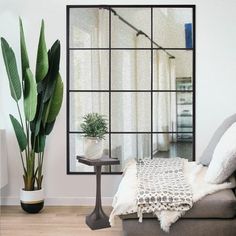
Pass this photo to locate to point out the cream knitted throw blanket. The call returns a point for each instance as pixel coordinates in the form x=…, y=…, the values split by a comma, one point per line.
x=162, y=186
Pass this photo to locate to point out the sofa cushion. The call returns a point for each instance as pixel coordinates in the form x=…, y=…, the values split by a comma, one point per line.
x=223, y=163
x=221, y=205
x=207, y=154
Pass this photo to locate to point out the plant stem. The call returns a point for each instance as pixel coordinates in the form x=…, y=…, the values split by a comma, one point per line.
x=27, y=135
x=22, y=161
x=42, y=157
x=34, y=143
x=39, y=171
x=40, y=167
x=18, y=108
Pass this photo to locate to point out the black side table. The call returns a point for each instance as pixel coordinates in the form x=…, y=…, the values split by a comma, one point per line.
x=98, y=219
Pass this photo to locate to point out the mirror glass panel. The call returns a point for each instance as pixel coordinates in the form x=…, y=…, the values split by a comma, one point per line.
x=86, y=102
x=128, y=146
x=124, y=36
x=172, y=112
x=166, y=70
x=131, y=69
x=131, y=112
x=171, y=27
x=173, y=145
x=89, y=28
x=86, y=72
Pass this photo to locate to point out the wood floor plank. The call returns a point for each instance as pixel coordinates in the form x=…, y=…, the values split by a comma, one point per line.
x=52, y=221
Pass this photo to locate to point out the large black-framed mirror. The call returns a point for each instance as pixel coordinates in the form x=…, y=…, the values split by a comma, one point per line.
x=136, y=66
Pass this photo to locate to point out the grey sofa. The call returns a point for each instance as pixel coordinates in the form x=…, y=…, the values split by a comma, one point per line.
x=214, y=215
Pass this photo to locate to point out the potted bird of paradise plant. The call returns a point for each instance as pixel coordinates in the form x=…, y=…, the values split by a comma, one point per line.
x=42, y=96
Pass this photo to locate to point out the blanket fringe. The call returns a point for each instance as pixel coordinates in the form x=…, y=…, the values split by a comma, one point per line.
x=140, y=215
x=112, y=218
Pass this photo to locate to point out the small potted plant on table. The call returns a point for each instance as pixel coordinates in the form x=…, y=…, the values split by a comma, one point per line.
x=94, y=127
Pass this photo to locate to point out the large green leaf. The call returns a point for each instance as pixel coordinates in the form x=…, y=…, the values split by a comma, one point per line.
x=30, y=95
x=42, y=57
x=54, y=63
x=54, y=55
x=39, y=143
x=24, y=54
x=48, y=127
x=20, y=134
x=41, y=86
x=11, y=68
x=36, y=123
x=54, y=104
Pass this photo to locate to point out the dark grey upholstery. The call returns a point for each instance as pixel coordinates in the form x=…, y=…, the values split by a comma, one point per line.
x=184, y=227
x=213, y=215
x=221, y=204
x=206, y=156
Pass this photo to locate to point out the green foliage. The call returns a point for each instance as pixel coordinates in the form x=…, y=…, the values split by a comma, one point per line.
x=40, y=143
x=43, y=97
x=20, y=134
x=24, y=54
x=94, y=125
x=54, y=59
x=36, y=123
x=48, y=127
x=30, y=95
x=54, y=104
x=42, y=56
x=11, y=68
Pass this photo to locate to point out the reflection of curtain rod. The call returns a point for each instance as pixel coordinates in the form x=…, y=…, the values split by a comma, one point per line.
x=138, y=31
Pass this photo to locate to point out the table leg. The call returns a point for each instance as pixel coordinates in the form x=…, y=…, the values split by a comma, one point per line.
x=98, y=219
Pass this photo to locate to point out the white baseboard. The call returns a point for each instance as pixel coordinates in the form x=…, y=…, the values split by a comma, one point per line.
x=60, y=201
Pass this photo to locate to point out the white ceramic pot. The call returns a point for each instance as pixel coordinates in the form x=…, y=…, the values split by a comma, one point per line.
x=32, y=201
x=93, y=148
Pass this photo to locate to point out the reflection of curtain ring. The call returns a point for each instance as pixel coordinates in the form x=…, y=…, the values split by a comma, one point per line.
x=139, y=32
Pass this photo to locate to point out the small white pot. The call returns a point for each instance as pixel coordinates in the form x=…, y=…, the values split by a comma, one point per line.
x=93, y=148
x=32, y=201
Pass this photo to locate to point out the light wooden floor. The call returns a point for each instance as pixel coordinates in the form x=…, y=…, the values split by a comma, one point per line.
x=52, y=221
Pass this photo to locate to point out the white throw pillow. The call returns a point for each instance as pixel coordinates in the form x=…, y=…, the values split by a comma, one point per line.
x=223, y=162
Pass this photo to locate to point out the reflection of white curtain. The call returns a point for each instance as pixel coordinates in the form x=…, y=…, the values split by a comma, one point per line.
x=91, y=76
x=143, y=67
x=130, y=111
x=164, y=111
x=124, y=105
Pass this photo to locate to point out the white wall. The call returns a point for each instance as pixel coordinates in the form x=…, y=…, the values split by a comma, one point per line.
x=215, y=88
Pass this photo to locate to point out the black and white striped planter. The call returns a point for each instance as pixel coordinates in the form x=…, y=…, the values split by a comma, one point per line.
x=32, y=201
